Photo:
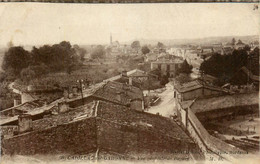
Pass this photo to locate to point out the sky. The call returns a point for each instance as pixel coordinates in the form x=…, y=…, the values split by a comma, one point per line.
x=49, y=23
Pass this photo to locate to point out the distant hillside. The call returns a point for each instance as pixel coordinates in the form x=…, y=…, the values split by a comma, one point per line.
x=207, y=40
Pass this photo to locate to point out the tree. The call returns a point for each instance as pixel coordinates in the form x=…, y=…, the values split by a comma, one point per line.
x=224, y=67
x=27, y=74
x=164, y=80
x=156, y=72
x=185, y=68
x=233, y=42
x=57, y=57
x=160, y=45
x=136, y=45
x=98, y=52
x=247, y=47
x=40, y=69
x=145, y=50
x=239, y=42
x=80, y=52
x=253, y=61
x=16, y=58
x=183, y=78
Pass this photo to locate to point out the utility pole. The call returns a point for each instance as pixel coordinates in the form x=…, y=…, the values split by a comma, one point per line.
x=81, y=90
x=202, y=76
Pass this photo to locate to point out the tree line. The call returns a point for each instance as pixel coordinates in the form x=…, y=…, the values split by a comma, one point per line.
x=224, y=67
x=20, y=63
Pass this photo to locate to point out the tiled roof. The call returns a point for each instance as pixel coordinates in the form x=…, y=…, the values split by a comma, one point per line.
x=25, y=106
x=154, y=123
x=196, y=84
x=222, y=102
x=125, y=80
x=189, y=86
x=136, y=73
x=62, y=118
x=111, y=91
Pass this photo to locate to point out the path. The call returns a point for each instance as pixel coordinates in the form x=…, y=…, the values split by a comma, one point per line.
x=167, y=105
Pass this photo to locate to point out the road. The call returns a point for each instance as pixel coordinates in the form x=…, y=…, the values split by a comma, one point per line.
x=167, y=105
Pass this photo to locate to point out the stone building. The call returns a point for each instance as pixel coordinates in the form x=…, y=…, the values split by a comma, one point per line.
x=167, y=65
x=24, y=123
x=114, y=92
x=196, y=89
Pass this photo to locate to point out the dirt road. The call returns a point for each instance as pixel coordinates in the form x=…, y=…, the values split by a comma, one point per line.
x=167, y=105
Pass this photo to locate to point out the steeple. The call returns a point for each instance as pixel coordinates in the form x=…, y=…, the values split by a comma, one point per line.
x=111, y=38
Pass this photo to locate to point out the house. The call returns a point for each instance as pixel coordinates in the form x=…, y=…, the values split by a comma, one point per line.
x=240, y=45
x=151, y=57
x=244, y=76
x=227, y=50
x=120, y=93
x=254, y=44
x=22, y=108
x=204, y=51
x=208, y=78
x=167, y=64
x=196, y=89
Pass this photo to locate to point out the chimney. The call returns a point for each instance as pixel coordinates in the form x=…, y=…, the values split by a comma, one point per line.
x=118, y=96
x=75, y=91
x=136, y=104
x=130, y=81
x=29, y=87
x=124, y=74
x=66, y=94
x=63, y=107
x=24, y=123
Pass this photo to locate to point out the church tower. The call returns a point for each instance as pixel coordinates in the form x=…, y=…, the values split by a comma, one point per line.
x=111, y=39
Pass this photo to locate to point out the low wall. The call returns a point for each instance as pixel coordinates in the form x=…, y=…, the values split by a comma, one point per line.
x=76, y=137
x=207, y=142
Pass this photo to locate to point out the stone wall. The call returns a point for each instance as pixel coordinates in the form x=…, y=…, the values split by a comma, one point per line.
x=76, y=137
x=207, y=142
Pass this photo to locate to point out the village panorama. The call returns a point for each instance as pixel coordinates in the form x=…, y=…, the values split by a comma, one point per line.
x=182, y=100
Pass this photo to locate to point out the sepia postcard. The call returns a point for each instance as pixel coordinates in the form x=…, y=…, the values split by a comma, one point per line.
x=129, y=82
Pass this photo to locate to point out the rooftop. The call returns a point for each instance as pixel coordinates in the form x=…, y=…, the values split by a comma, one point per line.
x=196, y=84
x=137, y=73
x=122, y=130
x=223, y=102
x=25, y=107
x=155, y=123
x=118, y=92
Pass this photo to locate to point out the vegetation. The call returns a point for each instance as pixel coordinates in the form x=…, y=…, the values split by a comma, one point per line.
x=145, y=50
x=183, y=78
x=160, y=45
x=136, y=45
x=185, y=68
x=15, y=59
x=224, y=67
x=27, y=67
x=98, y=52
